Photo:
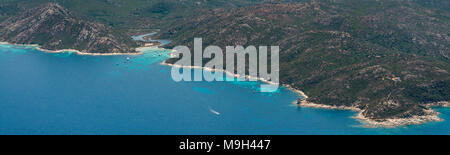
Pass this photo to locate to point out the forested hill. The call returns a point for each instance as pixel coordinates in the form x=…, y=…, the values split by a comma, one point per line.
x=388, y=57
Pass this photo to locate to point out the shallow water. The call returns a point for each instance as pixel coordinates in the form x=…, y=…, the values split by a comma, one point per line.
x=161, y=41
x=65, y=93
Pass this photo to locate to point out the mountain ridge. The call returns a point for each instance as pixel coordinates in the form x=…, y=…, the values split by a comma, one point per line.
x=54, y=27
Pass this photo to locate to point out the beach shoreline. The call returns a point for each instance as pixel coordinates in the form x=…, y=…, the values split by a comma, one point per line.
x=221, y=70
x=38, y=47
x=432, y=116
x=445, y=104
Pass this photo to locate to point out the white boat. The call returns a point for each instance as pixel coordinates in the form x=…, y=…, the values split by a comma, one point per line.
x=214, y=112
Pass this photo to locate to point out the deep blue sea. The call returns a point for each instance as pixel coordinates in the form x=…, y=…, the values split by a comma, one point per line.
x=65, y=93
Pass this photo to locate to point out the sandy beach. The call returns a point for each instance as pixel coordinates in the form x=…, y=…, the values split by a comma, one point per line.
x=139, y=49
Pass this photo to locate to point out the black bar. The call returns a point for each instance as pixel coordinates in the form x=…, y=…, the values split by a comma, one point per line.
x=152, y=144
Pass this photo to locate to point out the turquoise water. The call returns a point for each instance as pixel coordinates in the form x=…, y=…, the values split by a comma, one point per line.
x=161, y=41
x=65, y=93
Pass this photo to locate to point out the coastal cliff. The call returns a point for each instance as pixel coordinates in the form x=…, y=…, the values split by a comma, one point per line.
x=54, y=27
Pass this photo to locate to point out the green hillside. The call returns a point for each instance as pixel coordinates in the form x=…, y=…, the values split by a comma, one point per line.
x=344, y=53
x=128, y=14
